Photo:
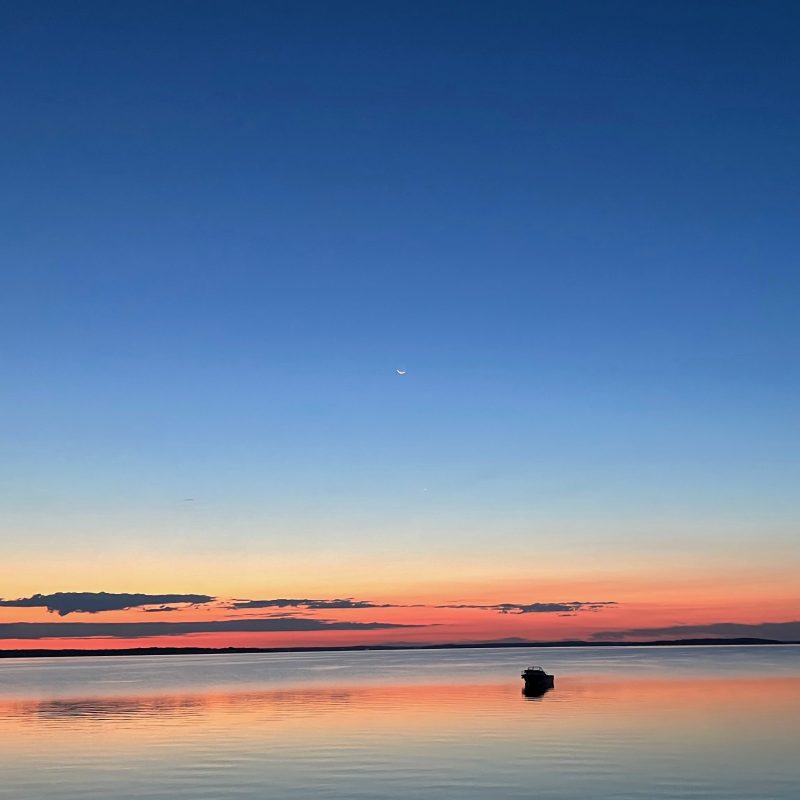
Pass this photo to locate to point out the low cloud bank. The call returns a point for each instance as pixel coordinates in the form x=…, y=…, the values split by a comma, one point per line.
x=782, y=631
x=138, y=630
x=284, y=602
x=570, y=607
x=63, y=603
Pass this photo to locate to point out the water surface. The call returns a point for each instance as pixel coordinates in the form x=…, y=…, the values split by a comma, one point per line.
x=716, y=722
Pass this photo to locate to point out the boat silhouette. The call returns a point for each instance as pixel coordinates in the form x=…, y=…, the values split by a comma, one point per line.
x=537, y=682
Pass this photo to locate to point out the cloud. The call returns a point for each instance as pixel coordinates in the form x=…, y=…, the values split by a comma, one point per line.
x=568, y=608
x=782, y=631
x=137, y=630
x=64, y=603
x=282, y=602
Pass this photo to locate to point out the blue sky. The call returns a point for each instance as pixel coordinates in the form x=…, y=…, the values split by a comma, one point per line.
x=225, y=226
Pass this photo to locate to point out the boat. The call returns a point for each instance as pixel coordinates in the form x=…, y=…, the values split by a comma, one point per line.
x=537, y=681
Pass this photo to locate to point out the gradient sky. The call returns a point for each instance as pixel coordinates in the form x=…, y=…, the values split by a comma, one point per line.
x=574, y=224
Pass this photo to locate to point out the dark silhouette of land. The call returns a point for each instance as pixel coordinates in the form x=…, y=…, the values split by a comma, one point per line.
x=179, y=651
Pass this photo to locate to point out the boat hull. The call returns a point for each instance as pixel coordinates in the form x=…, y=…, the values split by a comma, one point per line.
x=537, y=682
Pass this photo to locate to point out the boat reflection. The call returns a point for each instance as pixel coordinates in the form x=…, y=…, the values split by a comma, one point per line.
x=535, y=693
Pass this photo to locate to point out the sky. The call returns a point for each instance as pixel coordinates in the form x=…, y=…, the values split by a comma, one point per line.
x=227, y=226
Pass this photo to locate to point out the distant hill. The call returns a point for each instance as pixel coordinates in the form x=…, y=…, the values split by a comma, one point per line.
x=501, y=643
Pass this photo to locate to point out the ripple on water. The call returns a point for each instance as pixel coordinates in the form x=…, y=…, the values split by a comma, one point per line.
x=629, y=724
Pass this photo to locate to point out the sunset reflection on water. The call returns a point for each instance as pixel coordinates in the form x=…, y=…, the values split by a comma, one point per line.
x=593, y=735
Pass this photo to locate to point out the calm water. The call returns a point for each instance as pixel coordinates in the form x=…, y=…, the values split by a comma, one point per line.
x=621, y=723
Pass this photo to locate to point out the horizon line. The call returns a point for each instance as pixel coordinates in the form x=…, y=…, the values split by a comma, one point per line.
x=152, y=651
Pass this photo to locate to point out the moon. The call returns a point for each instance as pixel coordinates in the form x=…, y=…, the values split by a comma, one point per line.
x=401, y=371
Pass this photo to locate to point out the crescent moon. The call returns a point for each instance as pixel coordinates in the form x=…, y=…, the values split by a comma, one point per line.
x=401, y=371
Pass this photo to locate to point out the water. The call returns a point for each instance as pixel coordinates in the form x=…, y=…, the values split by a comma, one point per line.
x=622, y=723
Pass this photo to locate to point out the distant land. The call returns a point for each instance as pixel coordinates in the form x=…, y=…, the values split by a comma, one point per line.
x=191, y=651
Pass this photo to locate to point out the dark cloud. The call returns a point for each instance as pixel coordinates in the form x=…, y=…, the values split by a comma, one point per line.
x=782, y=631
x=539, y=608
x=283, y=602
x=137, y=630
x=64, y=603
x=502, y=608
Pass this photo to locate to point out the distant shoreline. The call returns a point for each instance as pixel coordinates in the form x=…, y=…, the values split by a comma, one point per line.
x=178, y=651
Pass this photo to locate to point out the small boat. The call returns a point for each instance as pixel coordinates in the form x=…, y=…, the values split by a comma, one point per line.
x=537, y=681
